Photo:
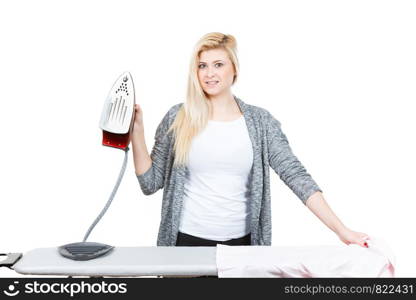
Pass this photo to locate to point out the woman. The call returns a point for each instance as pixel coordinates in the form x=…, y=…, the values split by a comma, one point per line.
x=212, y=156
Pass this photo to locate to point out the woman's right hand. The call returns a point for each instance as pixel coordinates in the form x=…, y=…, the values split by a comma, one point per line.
x=142, y=159
x=138, y=120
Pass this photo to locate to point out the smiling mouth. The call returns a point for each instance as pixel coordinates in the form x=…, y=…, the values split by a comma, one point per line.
x=212, y=82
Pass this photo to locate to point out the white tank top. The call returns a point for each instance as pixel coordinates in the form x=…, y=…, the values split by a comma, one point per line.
x=215, y=203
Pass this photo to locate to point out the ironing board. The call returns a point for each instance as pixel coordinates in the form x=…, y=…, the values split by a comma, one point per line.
x=122, y=262
x=224, y=261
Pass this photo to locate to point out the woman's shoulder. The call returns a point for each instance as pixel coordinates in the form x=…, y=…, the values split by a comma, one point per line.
x=171, y=114
x=263, y=114
x=175, y=108
x=258, y=110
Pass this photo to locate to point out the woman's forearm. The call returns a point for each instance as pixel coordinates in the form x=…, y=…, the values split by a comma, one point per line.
x=141, y=157
x=317, y=204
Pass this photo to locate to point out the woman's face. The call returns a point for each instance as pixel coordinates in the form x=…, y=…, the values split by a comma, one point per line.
x=215, y=71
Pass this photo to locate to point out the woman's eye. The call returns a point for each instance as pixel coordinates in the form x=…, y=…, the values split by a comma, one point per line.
x=201, y=66
x=218, y=65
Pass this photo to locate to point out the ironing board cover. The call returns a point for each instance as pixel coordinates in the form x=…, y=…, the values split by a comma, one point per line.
x=123, y=261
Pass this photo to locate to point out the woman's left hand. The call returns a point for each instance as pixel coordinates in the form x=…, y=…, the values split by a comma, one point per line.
x=348, y=236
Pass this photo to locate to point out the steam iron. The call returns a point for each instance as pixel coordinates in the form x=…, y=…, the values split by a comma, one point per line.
x=117, y=116
x=116, y=122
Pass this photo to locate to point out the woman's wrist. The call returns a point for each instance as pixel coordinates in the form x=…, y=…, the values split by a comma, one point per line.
x=341, y=230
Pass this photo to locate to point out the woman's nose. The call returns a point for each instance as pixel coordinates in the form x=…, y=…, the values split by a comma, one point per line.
x=210, y=71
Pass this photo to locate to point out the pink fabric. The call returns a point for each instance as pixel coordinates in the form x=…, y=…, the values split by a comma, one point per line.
x=311, y=261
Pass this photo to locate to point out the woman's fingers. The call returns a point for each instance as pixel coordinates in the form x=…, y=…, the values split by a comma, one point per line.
x=138, y=118
x=363, y=239
x=353, y=237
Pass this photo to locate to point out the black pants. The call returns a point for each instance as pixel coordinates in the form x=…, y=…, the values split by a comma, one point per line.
x=190, y=240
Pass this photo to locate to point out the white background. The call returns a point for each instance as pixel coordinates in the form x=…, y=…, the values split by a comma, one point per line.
x=339, y=75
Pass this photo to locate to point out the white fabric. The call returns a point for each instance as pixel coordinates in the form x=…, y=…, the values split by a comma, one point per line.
x=215, y=203
x=312, y=261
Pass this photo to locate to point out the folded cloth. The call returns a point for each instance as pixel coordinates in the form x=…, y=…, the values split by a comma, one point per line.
x=306, y=261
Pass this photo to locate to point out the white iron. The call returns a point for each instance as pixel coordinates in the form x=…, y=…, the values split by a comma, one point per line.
x=117, y=116
x=117, y=121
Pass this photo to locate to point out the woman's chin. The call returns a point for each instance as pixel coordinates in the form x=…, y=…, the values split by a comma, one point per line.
x=212, y=93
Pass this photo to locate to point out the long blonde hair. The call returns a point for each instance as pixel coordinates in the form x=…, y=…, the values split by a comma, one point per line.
x=194, y=113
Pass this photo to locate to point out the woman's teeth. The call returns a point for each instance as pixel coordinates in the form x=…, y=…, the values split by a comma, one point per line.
x=211, y=82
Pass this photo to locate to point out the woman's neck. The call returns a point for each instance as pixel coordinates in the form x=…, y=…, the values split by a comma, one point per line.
x=224, y=107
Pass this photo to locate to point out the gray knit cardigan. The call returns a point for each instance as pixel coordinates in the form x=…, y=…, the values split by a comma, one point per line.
x=270, y=149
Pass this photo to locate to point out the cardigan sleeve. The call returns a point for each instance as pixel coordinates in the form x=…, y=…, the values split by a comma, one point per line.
x=286, y=164
x=153, y=179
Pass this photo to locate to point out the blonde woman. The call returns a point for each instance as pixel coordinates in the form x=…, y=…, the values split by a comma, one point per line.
x=212, y=156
